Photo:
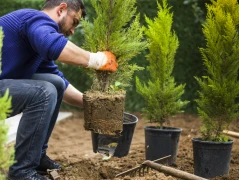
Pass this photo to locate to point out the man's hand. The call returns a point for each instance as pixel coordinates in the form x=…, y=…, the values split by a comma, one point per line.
x=105, y=61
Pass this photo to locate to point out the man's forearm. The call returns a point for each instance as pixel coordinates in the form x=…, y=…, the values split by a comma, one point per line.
x=73, y=97
x=72, y=54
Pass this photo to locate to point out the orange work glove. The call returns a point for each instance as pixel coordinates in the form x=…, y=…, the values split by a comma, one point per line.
x=104, y=61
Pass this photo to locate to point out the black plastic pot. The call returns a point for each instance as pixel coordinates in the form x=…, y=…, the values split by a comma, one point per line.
x=211, y=159
x=118, y=146
x=161, y=142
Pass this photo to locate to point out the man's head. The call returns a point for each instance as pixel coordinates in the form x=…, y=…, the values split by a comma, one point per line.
x=69, y=12
x=75, y=5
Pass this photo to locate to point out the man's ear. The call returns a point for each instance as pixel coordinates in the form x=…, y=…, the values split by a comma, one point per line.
x=61, y=8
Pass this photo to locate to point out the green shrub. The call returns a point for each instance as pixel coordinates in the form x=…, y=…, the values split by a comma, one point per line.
x=217, y=104
x=117, y=29
x=161, y=94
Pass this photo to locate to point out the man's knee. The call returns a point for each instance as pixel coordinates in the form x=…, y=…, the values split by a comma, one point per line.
x=48, y=90
x=57, y=81
x=29, y=93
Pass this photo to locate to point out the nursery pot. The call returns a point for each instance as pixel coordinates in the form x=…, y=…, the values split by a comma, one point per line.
x=161, y=142
x=103, y=112
x=118, y=146
x=211, y=159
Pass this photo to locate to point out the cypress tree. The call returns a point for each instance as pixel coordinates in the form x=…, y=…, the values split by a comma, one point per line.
x=161, y=94
x=217, y=105
x=117, y=29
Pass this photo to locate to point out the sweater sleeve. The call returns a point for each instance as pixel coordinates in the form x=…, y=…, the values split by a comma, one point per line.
x=42, y=33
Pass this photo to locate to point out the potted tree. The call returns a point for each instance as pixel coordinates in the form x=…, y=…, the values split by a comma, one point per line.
x=6, y=153
x=161, y=94
x=116, y=28
x=217, y=105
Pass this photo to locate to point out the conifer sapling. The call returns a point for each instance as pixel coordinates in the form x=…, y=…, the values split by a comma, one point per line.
x=117, y=29
x=161, y=94
x=217, y=105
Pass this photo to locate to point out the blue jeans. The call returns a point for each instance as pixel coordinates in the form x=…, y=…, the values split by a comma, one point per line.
x=39, y=100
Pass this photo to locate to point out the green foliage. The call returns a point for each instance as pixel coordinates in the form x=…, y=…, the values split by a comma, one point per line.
x=161, y=93
x=217, y=104
x=6, y=153
x=11, y=5
x=115, y=87
x=188, y=62
x=197, y=10
x=117, y=29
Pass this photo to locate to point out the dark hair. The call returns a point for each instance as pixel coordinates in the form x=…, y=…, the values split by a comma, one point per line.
x=75, y=5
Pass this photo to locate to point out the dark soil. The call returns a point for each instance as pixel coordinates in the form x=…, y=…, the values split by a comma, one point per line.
x=71, y=145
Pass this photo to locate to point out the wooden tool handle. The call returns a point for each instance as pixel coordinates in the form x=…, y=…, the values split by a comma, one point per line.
x=231, y=133
x=172, y=171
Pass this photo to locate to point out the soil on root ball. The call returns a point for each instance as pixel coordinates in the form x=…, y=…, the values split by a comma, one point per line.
x=71, y=145
x=104, y=113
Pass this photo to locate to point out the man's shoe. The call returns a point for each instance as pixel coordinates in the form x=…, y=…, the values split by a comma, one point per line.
x=34, y=177
x=47, y=164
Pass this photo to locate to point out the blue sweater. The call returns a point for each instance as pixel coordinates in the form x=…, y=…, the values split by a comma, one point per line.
x=31, y=43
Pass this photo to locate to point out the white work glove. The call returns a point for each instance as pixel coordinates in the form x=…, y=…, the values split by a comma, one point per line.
x=105, y=61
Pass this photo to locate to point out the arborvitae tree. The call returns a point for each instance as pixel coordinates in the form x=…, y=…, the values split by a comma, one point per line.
x=6, y=153
x=161, y=94
x=117, y=29
x=217, y=104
